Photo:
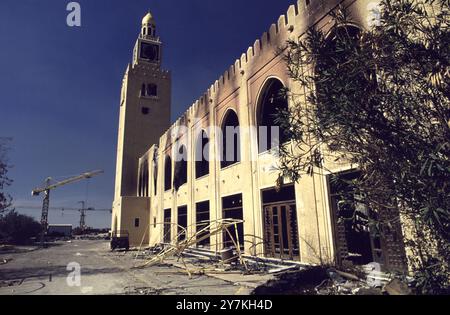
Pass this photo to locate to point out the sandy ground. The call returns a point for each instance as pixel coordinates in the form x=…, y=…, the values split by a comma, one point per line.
x=45, y=271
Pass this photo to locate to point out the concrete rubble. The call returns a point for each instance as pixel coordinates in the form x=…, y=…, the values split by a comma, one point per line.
x=261, y=276
x=266, y=276
x=330, y=281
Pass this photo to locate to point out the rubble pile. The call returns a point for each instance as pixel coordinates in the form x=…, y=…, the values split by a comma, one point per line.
x=330, y=281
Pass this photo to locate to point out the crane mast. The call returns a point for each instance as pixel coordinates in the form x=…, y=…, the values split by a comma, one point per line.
x=46, y=202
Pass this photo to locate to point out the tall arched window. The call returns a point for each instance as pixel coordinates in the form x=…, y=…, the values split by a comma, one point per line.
x=271, y=103
x=202, y=155
x=168, y=174
x=180, y=176
x=231, y=146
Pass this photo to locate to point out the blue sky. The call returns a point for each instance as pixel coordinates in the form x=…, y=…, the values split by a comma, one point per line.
x=60, y=86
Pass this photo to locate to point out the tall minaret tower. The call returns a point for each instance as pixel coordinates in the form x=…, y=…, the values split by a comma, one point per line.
x=144, y=111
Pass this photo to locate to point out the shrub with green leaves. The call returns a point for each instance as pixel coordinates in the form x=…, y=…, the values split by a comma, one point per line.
x=379, y=98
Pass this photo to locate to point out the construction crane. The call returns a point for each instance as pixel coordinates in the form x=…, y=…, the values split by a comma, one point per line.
x=83, y=215
x=46, y=190
x=60, y=208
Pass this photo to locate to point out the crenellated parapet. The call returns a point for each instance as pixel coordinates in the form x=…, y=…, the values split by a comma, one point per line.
x=291, y=25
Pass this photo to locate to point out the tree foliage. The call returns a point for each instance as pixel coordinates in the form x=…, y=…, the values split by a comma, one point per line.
x=5, y=181
x=379, y=99
x=18, y=229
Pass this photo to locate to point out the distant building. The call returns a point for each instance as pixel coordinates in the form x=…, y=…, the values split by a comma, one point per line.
x=301, y=221
x=60, y=230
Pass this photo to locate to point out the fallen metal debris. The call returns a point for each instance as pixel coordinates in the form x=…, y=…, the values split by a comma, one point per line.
x=290, y=278
x=178, y=248
x=11, y=283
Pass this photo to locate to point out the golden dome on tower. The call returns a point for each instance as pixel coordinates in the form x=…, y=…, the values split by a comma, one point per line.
x=148, y=19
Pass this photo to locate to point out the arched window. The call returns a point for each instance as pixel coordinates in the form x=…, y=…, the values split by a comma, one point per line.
x=202, y=155
x=180, y=176
x=168, y=174
x=271, y=103
x=231, y=146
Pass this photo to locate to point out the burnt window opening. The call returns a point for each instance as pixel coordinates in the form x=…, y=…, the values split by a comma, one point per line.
x=149, y=90
x=152, y=90
x=202, y=155
x=140, y=180
x=308, y=2
x=145, y=110
x=354, y=240
x=180, y=176
x=202, y=217
x=136, y=222
x=155, y=172
x=155, y=180
x=281, y=238
x=182, y=223
x=285, y=194
x=168, y=174
x=272, y=105
x=145, y=179
x=167, y=237
x=231, y=142
x=232, y=209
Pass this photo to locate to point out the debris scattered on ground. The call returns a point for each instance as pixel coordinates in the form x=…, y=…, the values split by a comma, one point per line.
x=213, y=228
x=301, y=282
x=330, y=281
x=268, y=277
x=11, y=283
x=149, y=291
x=4, y=261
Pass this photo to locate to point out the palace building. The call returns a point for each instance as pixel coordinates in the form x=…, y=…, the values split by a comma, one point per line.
x=163, y=177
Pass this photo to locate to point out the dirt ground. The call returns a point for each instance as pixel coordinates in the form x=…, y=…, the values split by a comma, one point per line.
x=31, y=271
